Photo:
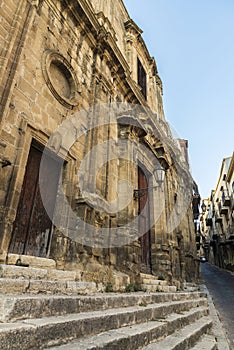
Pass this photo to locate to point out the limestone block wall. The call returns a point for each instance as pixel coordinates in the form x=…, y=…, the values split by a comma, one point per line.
x=113, y=18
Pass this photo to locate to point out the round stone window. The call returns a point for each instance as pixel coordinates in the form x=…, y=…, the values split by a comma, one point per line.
x=61, y=79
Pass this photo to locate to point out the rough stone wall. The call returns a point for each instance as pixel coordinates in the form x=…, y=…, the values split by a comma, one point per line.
x=113, y=19
x=58, y=58
x=218, y=221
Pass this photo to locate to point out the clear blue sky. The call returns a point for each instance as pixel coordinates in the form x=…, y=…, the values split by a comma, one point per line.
x=193, y=44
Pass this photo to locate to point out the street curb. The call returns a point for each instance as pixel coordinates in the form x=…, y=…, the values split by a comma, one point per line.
x=217, y=329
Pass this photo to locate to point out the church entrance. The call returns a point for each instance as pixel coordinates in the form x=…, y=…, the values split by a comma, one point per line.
x=144, y=221
x=32, y=228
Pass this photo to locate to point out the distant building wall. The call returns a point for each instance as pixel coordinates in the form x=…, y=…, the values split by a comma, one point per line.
x=219, y=218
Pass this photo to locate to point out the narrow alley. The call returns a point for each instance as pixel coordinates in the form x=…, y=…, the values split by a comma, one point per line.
x=220, y=284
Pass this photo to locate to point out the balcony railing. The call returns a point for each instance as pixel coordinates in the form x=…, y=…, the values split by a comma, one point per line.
x=224, y=210
x=225, y=203
x=226, y=199
x=209, y=222
x=218, y=219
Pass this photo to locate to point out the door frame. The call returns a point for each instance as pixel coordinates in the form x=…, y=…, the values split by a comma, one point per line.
x=146, y=266
x=38, y=147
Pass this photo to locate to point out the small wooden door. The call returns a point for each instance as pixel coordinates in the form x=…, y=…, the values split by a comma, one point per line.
x=143, y=204
x=33, y=227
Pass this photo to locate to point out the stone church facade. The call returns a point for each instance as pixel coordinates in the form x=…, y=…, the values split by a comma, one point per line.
x=59, y=62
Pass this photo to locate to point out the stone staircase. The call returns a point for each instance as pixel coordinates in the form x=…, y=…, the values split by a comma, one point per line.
x=34, y=317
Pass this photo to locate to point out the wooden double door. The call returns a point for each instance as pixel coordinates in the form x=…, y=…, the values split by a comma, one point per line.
x=144, y=222
x=32, y=228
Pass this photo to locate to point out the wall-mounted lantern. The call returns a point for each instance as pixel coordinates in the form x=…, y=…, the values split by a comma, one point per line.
x=159, y=174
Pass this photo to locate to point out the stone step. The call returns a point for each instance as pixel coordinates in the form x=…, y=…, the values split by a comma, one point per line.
x=151, y=283
x=15, y=272
x=159, y=288
x=31, y=286
x=32, y=261
x=37, y=333
x=154, y=282
x=133, y=337
x=13, y=308
x=129, y=337
x=185, y=338
x=184, y=318
x=190, y=287
x=148, y=276
x=207, y=342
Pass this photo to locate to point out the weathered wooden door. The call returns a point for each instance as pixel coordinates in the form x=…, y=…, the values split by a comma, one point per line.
x=33, y=227
x=144, y=212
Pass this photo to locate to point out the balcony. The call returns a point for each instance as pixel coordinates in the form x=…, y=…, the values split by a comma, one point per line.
x=224, y=204
x=226, y=199
x=218, y=219
x=206, y=245
x=224, y=210
x=209, y=222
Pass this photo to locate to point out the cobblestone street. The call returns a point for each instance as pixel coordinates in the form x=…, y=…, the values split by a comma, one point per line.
x=220, y=284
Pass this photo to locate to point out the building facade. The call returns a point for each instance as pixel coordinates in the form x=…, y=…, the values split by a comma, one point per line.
x=61, y=62
x=218, y=219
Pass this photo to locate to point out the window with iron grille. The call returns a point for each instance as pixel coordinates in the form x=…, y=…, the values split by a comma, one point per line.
x=141, y=76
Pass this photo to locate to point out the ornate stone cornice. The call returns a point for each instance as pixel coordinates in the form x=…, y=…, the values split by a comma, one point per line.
x=137, y=91
x=132, y=27
x=102, y=79
x=84, y=6
x=104, y=21
x=134, y=32
x=159, y=82
x=130, y=121
x=231, y=169
x=153, y=66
